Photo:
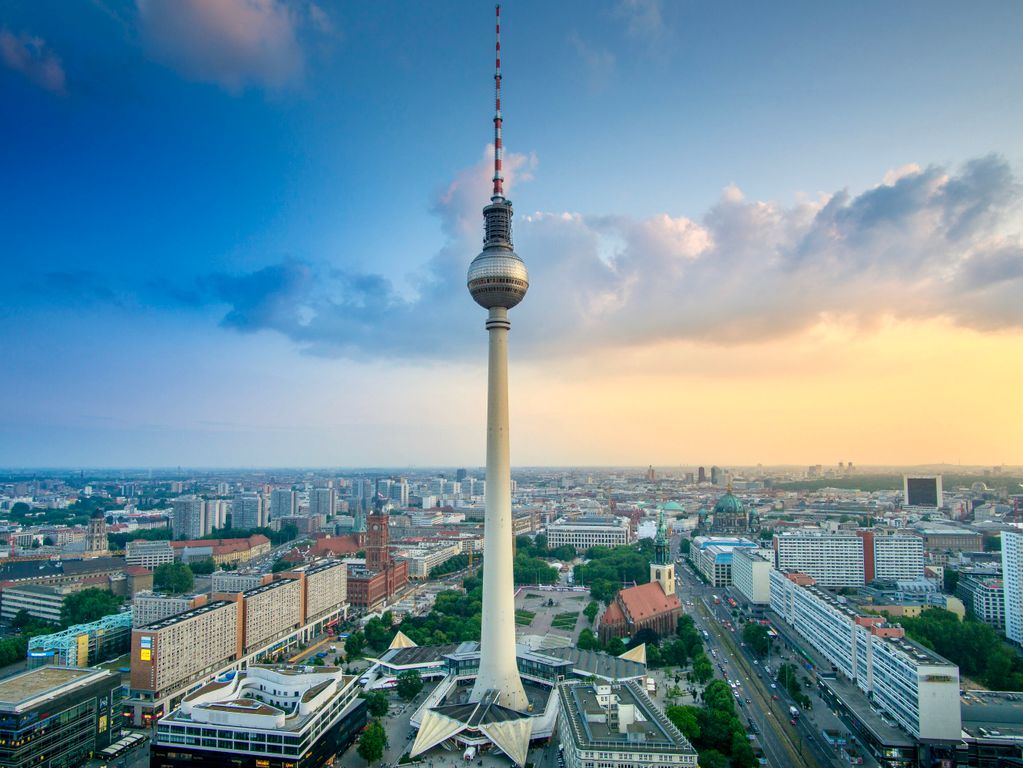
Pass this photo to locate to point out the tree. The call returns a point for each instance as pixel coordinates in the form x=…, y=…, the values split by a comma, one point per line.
x=591, y=610
x=950, y=579
x=88, y=605
x=376, y=702
x=645, y=635
x=684, y=546
x=992, y=543
x=741, y=752
x=756, y=637
x=409, y=684
x=711, y=758
x=587, y=641
x=702, y=668
x=378, y=634
x=173, y=577
x=685, y=720
x=615, y=647
x=20, y=510
x=281, y=565
x=372, y=742
x=354, y=644
x=203, y=567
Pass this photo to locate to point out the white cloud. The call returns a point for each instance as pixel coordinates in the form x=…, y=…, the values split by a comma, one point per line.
x=934, y=244
x=232, y=43
x=34, y=59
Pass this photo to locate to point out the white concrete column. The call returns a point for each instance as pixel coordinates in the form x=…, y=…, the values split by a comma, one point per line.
x=498, y=669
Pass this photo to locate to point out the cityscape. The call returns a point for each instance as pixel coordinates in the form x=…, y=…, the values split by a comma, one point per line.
x=723, y=491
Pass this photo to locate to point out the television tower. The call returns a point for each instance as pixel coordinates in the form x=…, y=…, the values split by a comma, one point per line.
x=498, y=280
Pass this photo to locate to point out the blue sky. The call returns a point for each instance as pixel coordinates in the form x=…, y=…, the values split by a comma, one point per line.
x=212, y=212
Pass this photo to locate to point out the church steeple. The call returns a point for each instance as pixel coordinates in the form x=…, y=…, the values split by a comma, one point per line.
x=662, y=570
x=662, y=552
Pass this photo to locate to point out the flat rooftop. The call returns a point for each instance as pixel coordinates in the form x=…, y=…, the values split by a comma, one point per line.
x=180, y=617
x=591, y=730
x=42, y=681
x=856, y=702
x=598, y=663
x=992, y=714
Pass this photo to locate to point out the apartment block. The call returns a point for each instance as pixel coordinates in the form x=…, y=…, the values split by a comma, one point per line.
x=237, y=581
x=175, y=651
x=831, y=559
x=325, y=586
x=148, y=554
x=751, y=575
x=150, y=607
x=272, y=611
x=915, y=686
x=1012, y=583
x=984, y=596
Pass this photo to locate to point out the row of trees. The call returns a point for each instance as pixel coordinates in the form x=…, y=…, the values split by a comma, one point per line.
x=452, y=564
x=532, y=570
x=537, y=547
x=715, y=729
x=978, y=650
x=685, y=648
x=608, y=568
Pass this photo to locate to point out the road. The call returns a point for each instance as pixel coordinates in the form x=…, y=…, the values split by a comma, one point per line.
x=806, y=737
x=781, y=746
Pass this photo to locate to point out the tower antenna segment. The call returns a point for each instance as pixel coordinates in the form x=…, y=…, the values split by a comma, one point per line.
x=498, y=149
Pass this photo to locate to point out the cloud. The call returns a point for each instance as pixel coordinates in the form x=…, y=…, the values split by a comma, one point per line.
x=644, y=18
x=233, y=43
x=929, y=244
x=34, y=59
x=598, y=62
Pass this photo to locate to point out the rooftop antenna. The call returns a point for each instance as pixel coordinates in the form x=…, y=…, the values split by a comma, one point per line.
x=498, y=149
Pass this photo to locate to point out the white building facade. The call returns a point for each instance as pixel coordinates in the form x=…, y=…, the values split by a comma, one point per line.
x=915, y=686
x=1012, y=583
x=590, y=531
x=831, y=559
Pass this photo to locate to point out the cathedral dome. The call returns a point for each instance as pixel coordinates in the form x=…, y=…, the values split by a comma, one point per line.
x=729, y=505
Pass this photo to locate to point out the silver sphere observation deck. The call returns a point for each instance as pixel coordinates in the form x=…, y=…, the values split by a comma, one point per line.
x=498, y=277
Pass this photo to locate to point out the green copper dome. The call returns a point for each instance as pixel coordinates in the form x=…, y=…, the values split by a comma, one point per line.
x=729, y=505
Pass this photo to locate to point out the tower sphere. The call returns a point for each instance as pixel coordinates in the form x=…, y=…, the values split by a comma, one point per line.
x=497, y=278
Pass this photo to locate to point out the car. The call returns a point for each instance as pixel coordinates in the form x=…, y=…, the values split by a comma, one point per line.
x=773, y=685
x=774, y=696
x=792, y=721
x=748, y=701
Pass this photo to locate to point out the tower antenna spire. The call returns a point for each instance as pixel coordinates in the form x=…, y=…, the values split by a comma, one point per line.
x=498, y=149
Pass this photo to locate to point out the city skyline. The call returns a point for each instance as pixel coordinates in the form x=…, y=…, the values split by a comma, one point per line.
x=238, y=238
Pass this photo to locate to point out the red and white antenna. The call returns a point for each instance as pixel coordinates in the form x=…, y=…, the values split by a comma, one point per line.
x=498, y=149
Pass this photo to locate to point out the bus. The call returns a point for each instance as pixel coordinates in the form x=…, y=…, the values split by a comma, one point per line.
x=114, y=755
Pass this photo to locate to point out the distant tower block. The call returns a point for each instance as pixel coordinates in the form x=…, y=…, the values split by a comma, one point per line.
x=498, y=280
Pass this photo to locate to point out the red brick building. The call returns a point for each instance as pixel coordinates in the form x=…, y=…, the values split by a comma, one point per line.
x=641, y=607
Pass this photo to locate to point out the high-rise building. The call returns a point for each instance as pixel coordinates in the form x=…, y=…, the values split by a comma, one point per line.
x=1012, y=583
x=702, y=475
x=322, y=501
x=832, y=559
x=283, y=503
x=715, y=475
x=922, y=491
x=460, y=475
x=399, y=492
x=216, y=514
x=189, y=517
x=247, y=511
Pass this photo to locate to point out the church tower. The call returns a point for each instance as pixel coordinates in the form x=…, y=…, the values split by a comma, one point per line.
x=662, y=570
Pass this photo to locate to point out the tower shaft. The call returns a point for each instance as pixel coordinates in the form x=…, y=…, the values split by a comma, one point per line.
x=498, y=668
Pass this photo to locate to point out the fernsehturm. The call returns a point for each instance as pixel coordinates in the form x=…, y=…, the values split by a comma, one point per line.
x=498, y=280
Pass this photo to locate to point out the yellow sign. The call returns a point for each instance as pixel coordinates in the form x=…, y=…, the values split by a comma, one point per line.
x=102, y=723
x=145, y=654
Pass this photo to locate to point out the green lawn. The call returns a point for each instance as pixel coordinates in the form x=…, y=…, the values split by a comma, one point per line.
x=565, y=620
x=524, y=618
